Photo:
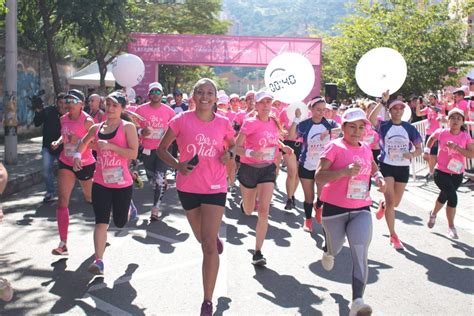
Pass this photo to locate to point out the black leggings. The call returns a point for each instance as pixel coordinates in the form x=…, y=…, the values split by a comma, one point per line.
x=448, y=184
x=105, y=200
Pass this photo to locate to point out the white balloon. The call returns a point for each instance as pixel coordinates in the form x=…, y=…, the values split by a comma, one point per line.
x=406, y=116
x=128, y=70
x=290, y=110
x=131, y=94
x=379, y=70
x=289, y=77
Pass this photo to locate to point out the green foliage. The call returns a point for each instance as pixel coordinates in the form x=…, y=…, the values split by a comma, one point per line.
x=425, y=34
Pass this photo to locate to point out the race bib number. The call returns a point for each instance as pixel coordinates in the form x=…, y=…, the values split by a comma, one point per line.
x=157, y=133
x=269, y=153
x=113, y=175
x=357, y=189
x=69, y=149
x=146, y=152
x=455, y=166
x=396, y=154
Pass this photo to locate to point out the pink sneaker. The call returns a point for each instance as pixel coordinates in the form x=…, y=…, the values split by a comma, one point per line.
x=61, y=250
x=396, y=243
x=381, y=211
x=319, y=214
x=308, y=225
x=431, y=220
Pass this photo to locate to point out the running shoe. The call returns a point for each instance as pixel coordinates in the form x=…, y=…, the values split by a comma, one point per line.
x=359, y=308
x=293, y=202
x=308, y=225
x=47, y=198
x=206, y=308
x=258, y=259
x=327, y=261
x=319, y=214
x=155, y=214
x=452, y=233
x=381, y=211
x=6, y=290
x=61, y=250
x=97, y=267
x=220, y=245
x=289, y=204
x=396, y=243
x=431, y=220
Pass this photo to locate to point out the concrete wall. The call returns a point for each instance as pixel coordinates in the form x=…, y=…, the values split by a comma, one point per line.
x=34, y=74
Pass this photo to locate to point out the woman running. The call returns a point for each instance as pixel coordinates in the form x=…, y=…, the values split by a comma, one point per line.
x=344, y=170
x=257, y=144
x=397, y=139
x=74, y=126
x=117, y=144
x=455, y=144
x=316, y=133
x=205, y=141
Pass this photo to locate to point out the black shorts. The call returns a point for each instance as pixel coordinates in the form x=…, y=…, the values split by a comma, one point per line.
x=332, y=210
x=105, y=200
x=434, y=148
x=296, y=146
x=399, y=173
x=250, y=176
x=84, y=174
x=375, y=154
x=304, y=173
x=190, y=201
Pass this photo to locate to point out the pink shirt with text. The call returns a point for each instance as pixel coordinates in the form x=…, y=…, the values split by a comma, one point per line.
x=112, y=169
x=348, y=192
x=72, y=132
x=260, y=136
x=157, y=119
x=450, y=160
x=432, y=123
x=208, y=141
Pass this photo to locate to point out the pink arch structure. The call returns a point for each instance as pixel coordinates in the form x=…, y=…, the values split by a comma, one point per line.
x=218, y=50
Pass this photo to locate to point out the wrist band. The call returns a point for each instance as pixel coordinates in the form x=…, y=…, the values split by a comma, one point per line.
x=140, y=131
x=248, y=152
x=378, y=175
x=427, y=150
x=77, y=155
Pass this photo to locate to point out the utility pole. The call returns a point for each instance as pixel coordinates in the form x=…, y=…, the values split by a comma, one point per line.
x=9, y=99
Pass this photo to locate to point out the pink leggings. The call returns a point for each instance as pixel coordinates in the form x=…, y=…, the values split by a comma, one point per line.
x=62, y=216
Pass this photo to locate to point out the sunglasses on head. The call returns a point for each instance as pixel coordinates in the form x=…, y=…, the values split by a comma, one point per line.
x=72, y=101
x=157, y=92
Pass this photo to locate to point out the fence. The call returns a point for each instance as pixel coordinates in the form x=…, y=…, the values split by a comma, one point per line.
x=418, y=164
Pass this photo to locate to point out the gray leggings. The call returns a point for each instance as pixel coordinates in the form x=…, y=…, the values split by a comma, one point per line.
x=357, y=225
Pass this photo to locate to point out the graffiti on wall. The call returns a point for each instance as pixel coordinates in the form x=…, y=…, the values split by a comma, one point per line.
x=28, y=83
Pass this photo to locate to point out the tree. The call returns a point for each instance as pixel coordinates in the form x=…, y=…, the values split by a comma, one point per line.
x=425, y=34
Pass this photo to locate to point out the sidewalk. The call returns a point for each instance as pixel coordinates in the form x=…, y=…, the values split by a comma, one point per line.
x=28, y=170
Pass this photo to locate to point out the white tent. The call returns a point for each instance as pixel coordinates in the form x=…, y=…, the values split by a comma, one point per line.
x=89, y=76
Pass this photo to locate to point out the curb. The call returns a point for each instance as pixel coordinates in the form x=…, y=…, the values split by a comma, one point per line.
x=23, y=182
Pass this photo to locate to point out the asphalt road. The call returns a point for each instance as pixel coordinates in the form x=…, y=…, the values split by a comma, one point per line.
x=155, y=268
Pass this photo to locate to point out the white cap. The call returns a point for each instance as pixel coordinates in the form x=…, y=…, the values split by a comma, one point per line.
x=456, y=111
x=354, y=114
x=234, y=95
x=155, y=85
x=249, y=93
x=260, y=95
x=396, y=102
x=223, y=99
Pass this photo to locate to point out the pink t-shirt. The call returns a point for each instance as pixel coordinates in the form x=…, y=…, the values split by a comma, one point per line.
x=371, y=137
x=260, y=136
x=99, y=117
x=241, y=117
x=208, y=141
x=231, y=115
x=72, y=132
x=463, y=105
x=112, y=169
x=157, y=119
x=348, y=192
x=285, y=122
x=432, y=123
x=132, y=108
x=338, y=119
x=451, y=161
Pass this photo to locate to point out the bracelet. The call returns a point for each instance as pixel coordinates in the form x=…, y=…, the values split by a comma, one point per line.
x=427, y=150
x=77, y=155
x=378, y=175
x=248, y=152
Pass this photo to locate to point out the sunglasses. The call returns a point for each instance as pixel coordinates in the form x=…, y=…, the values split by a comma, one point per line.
x=72, y=101
x=157, y=92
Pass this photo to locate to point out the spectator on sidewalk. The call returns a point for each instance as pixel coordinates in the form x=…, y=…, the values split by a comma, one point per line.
x=49, y=118
x=6, y=291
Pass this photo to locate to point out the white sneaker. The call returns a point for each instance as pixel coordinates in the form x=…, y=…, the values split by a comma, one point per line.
x=359, y=308
x=6, y=291
x=327, y=261
x=452, y=233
